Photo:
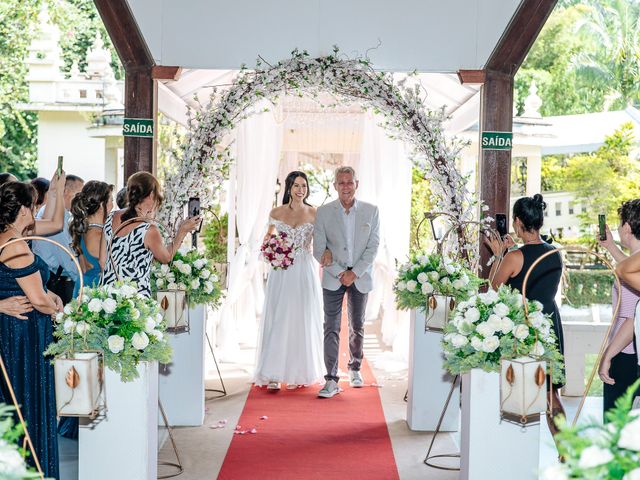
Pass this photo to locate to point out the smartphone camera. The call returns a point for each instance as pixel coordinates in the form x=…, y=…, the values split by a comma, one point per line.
x=501, y=224
x=602, y=226
x=193, y=209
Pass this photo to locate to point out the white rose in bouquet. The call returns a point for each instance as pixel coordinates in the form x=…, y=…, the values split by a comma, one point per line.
x=458, y=284
x=82, y=327
x=465, y=328
x=149, y=325
x=195, y=283
x=139, y=340
x=135, y=314
x=537, y=349
x=422, y=277
x=476, y=343
x=501, y=309
x=184, y=250
x=630, y=436
x=521, y=331
x=427, y=288
x=459, y=341
x=11, y=462
x=495, y=322
x=472, y=314
x=68, y=325
x=116, y=343
x=157, y=334
x=172, y=286
x=594, y=456
x=464, y=279
x=95, y=305
x=164, y=269
x=632, y=475
x=182, y=286
x=457, y=320
x=401, y=286
x=445, y=281
x=128, y=291
x=59, y=316
x=199, y=263
x=205, y=274
x=489, y=297
x=159, y=318
x=185, y=268
x=214, y=278
x=506, y=325
x=67, y=309
x=412, y=285
x=434, y=276
x=423, y=259
x=160, y=283
x=490, y=344
x=485, y=329
x=109, y=305
x=450, y=269
x=208, y=287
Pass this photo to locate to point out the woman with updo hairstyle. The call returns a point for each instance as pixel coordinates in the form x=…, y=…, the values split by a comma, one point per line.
x=138, y=243
x=513, y=264
x=23, y=341
x=42, y=189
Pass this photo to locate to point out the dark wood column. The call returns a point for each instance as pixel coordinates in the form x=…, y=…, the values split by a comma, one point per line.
x=496, y=105
x=140, y=89
x=496, y=114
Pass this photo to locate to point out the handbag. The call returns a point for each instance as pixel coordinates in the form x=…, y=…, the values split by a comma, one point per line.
x=61, y=285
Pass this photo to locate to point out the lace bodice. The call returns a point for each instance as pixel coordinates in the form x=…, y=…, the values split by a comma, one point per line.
x=302, y=234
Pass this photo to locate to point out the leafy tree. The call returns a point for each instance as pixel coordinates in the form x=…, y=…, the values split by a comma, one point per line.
x=420, y=203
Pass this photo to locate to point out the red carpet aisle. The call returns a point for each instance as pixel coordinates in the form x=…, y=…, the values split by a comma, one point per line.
x=305, y=437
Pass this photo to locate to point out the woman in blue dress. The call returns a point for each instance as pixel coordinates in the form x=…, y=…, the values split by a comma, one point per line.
x=22, y=342
x=89, y=210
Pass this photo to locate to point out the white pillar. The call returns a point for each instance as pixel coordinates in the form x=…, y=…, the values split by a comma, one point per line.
x=534, y=174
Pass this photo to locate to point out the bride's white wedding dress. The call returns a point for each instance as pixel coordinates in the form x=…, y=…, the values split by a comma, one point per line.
x=290, y=346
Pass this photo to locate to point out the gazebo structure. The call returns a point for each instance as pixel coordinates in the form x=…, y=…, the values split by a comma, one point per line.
x=484, y=44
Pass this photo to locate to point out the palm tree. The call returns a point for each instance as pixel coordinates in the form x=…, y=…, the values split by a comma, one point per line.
x=614, y=26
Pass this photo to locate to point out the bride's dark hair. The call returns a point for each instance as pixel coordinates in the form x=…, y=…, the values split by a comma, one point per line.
x=288, y=184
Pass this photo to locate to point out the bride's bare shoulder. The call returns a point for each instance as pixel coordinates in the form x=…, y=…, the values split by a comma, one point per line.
x=277, y=213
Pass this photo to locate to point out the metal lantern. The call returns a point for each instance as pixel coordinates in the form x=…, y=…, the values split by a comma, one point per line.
x=175, y=309
x=437, y=312
x=79, y=384
x=523, y=387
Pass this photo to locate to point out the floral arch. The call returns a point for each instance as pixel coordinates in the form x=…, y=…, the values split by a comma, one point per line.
x=203, y=161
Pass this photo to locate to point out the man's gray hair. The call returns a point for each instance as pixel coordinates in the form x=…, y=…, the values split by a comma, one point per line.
x=344, y=169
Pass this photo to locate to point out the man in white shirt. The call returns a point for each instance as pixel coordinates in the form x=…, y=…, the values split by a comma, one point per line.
x=63, y=273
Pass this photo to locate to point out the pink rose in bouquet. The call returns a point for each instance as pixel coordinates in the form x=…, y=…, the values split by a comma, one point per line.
x=278, y=251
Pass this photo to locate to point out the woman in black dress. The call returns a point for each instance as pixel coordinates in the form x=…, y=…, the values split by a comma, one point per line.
x=528, y=216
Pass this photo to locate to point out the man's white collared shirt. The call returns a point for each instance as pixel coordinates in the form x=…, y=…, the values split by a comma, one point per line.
x=349, y=220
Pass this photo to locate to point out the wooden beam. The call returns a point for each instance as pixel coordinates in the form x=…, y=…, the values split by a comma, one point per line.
x=496, y=114
x=161, y=72
x=519, y=36
x=140, y=90
x=471, y=76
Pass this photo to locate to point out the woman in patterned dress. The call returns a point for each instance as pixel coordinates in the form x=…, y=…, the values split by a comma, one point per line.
x=137, y=244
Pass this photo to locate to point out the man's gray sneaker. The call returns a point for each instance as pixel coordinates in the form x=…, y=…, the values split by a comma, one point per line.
x=329, y=390
x=355, y=379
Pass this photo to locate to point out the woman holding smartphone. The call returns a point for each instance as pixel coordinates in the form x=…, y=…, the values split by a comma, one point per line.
x=512, y=266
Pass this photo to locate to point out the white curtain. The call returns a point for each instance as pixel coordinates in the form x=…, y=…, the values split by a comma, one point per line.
x=258, y=148
x=384, y=171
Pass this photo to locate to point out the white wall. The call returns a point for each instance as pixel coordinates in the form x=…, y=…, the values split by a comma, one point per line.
x=65, y=133
x=425, y=35
x=569, y=222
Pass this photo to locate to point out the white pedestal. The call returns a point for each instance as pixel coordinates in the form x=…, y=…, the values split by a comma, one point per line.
x=182, y=380
x=125, y=443
x=490, y=448
x=429, y=383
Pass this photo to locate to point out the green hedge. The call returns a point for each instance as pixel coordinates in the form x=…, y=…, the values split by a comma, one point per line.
x=586, y=287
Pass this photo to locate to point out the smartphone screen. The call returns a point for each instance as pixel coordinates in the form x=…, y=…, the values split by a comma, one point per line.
x=193, y=209
x=59, y=164
x=602, y=222
x=501, y=224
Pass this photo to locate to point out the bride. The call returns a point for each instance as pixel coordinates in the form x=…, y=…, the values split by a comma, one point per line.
x=290, y=342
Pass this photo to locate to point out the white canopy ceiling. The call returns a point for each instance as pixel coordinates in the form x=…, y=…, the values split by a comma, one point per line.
x=423, y=35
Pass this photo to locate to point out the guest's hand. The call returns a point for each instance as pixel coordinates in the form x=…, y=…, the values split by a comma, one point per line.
x=57, y=300
x=495, y=243
x=347, y=278
x=189, y=224
x=603, y=371
x=327, y=258
x=607, y=243
x=16, y=307
x=57, y=183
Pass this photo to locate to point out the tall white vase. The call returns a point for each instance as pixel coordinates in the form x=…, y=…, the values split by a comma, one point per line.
x=125, y=443
x=182, y=380
x=429, y=383
x=491, y=448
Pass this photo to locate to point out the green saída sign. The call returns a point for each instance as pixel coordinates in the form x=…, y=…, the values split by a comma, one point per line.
x=496, y=140
x=137, y=127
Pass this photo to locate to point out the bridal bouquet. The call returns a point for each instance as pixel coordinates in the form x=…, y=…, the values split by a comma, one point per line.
x=594, y=451
x=127, y=326
x=277, y=250
x=426, y=275
x=490, y=326
x=12, y=463
x=192, y=272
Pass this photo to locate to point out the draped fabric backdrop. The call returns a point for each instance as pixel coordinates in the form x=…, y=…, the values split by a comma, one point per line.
x=258, y=149
x=384, y=171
